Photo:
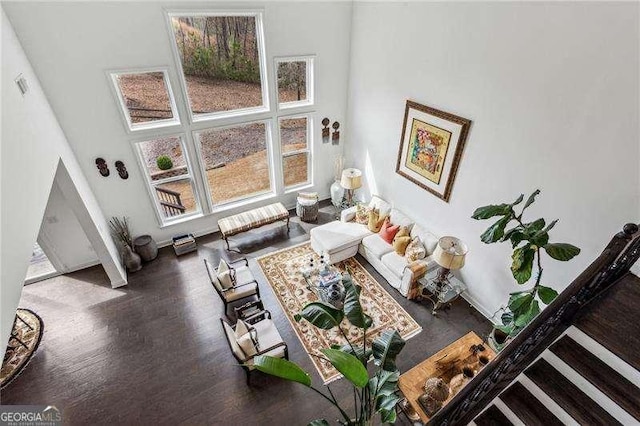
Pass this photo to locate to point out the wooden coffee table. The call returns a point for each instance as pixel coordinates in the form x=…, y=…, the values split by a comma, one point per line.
x=445, y=364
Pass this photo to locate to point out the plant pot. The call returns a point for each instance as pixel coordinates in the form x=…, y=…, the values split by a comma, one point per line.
x=498, y=339
x=337, y=193
x=131, y=259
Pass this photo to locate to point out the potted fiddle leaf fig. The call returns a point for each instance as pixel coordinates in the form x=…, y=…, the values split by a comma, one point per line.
x=373, y=395
x=529, y=240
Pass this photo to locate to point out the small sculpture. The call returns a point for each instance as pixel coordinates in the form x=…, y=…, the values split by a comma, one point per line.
x=436, y=388
x=122, y=170
x=102, y=167
x=429, y=405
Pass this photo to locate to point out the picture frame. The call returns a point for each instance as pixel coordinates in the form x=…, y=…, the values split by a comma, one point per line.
x=431, y=146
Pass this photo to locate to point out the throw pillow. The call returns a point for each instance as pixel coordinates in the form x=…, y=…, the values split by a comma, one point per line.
x=388, y=231
x=362, y=214
x=375, y=221
x=249, y=343
x=225, y=279
x=415, y=250
x=241, y=329
x=401, y=240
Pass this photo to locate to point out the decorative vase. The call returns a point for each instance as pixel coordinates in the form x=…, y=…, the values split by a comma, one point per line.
x=132, y=260
x=337, y=193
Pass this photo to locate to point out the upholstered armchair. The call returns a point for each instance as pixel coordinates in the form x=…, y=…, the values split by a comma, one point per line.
x=257, y=336
x=232, y=283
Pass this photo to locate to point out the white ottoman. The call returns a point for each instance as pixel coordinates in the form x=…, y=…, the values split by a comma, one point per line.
x=338, y=240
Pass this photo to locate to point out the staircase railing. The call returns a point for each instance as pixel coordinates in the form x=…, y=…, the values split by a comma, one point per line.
x=615, y=261
x=170, y=202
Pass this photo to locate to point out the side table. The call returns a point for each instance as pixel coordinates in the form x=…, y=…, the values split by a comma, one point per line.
x=443, y=296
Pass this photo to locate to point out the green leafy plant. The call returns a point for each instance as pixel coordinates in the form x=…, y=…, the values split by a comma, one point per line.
x=164, y=162
x=529, y=240
x=372, y=395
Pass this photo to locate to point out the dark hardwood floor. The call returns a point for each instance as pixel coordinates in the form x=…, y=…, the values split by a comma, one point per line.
x=153, y=352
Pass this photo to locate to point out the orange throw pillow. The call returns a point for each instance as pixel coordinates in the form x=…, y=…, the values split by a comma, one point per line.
x=388, y=231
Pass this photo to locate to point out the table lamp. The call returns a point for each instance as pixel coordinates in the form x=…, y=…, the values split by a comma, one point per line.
x=449, y=254
x=351, y=180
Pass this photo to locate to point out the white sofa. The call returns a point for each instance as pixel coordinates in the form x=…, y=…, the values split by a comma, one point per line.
x=342, y=239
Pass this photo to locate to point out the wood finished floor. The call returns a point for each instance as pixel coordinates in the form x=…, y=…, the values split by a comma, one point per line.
x=153, y=352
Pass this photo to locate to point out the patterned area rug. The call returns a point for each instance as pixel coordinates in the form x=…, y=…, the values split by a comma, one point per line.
x=282, y=270
x=25, y=338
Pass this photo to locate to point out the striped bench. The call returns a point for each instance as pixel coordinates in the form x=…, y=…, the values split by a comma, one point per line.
x=251, y=219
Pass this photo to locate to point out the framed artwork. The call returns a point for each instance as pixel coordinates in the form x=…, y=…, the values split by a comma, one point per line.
x=431, y=145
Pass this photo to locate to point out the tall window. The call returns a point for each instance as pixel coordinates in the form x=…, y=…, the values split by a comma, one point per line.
x=222, y=61
x=169, y=175
x=236, y=161
x=295, y=132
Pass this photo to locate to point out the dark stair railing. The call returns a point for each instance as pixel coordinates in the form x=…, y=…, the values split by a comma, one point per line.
x=170, y=202
x=615, y=261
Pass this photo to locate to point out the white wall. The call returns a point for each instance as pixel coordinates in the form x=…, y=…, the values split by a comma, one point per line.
x=72, y=45
x=64, y=236
x=552, y=89
x=33, y=149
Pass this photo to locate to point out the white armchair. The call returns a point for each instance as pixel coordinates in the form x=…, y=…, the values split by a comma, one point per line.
x=232, y=283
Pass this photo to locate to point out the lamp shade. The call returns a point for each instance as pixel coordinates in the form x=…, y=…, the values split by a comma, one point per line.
x=450, y=253
x=351, y=179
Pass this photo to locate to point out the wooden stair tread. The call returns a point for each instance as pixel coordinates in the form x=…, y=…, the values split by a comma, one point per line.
x=527, y=407
x=607, y=380
x=613, y=321
x=575, y=402
x=492, y=416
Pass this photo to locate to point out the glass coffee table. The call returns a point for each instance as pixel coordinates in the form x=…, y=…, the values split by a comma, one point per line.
x=326, y=283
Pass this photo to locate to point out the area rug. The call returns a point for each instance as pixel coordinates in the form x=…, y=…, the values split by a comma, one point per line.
x=25, y=338
x=282, y=270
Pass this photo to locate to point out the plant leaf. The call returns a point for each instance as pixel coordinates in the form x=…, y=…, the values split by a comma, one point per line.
x=506, y=318
x=352, y=307
x=533, y=227
x=321, y=315
x=551, y=225
x=487, y=212
x=518, y=200
x=496, y=231
x=387, y=402
x=386, y=383
x=350, y=366
x=318, y=422
x=562, y=251
x=540, y=239
x=516, y=238
x=546, y=294
x=507, y=329
x=282, y=368
x=508, y=233
x=356, y=351
x=531, y=199
x=529, y=315
x=519, y=301
x=388, y=416
x=385, y=349
x=522, y=263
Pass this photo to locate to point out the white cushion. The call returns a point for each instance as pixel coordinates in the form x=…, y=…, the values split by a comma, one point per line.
x=213, y=275
x=383, y=207
x=337, y=235
x=399, y=218
x=376, y=245
x=246, y=344
x=231, y=336
x=223, y=266
x=268, y=336
x=243, y=275
x=241, y=329
x=240, y=292
x=429, y=240
x=395, y=263
x=225, y=279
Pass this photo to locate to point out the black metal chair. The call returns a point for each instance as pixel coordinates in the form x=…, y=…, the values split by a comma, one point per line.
x=268, y=338
x=244, y=284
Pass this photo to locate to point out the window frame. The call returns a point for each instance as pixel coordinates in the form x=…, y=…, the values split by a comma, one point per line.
x=151, y=184
x=308, y=150
x=235, y=202
x=262, y=60
x=310, y=80
x=131, y=127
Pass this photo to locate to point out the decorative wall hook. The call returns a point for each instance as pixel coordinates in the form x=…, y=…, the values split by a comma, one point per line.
x=102, y=166
x=325, y=130
x=122, y=170
x=335, y=137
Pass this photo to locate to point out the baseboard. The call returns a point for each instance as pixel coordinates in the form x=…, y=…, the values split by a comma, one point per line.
x=118, y=283
x=86, y=265
x=478, y=307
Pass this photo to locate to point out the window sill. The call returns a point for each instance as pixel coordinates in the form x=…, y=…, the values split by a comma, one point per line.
x=239, y=203
x=182, y=219
x=299, y=187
